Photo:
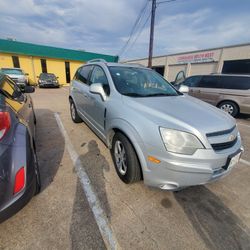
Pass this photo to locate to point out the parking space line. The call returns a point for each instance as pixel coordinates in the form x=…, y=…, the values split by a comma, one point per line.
x=94, y=203
x=245, y=162
x=242, y=124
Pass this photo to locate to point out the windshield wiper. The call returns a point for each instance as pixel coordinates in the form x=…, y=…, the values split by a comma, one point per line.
x=133, y=94
x=160, y=94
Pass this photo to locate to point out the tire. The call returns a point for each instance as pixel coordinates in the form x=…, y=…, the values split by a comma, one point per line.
x=229, y=107
x=73, y=112
x=128, y=169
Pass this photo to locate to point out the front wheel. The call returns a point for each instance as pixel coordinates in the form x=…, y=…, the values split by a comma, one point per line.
x=125, y=159
x=229, y=107
x=74, y=115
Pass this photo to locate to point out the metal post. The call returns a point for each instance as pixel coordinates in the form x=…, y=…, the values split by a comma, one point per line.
x=151, y=42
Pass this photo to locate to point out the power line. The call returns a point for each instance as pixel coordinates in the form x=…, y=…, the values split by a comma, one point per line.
x=139, y=33
x=167, y=1
x=138, y=19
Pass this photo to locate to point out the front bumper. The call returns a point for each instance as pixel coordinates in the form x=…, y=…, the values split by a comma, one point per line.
x=177, y=171
x=48, y=85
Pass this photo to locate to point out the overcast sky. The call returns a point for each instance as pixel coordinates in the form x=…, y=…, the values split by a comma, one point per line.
x=104, y=26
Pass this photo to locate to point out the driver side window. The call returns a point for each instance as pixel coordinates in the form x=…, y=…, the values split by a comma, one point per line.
x=99, y=76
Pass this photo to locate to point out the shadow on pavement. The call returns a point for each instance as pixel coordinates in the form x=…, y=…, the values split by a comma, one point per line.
x=84, y=230
x=214, y=222
x=49, y=145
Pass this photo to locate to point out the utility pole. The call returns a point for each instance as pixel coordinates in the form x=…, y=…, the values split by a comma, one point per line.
x=152, y=27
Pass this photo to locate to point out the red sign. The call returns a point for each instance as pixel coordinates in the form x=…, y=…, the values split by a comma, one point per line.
x=196, y=58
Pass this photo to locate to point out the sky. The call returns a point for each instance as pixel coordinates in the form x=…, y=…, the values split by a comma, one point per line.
x=104, y=26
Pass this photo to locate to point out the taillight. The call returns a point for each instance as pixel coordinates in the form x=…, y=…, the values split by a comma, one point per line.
x=4, y=123
x=19, y=180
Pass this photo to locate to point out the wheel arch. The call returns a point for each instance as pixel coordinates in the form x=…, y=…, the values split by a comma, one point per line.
x=228, y=100
x=126, y=129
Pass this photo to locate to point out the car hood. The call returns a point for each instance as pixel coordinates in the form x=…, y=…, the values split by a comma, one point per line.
x=182, y=112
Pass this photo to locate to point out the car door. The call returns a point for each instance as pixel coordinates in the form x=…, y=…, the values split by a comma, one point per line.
x=209, y=89
x=192, y=82
x=80, y=90
x=20, y=103
x=97, y=107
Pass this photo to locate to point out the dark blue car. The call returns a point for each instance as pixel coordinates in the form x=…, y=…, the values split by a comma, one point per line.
x=19, y=173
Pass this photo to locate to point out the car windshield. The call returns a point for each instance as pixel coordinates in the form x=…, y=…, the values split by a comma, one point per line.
x=47, y=76
x=139, y=82
x=12, y=71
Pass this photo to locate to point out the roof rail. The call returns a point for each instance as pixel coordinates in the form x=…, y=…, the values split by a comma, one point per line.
x=97, y=60
x=135, y=64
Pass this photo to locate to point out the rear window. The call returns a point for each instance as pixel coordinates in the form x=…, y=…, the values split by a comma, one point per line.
x=235, y=82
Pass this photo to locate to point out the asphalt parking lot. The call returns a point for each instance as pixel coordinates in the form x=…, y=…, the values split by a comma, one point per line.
x=215, y=216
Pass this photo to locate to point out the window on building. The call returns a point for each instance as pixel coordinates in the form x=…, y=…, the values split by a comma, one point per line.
x=16, y=63
x=67, y=72
x=159, y=69
x=236, y=67
x=44, y=65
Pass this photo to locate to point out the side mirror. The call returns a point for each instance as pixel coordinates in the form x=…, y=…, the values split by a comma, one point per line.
x=184, y=89
x=57, y=77
x=28, y=89
x=26, y=74
x=97, y=88
x=37, y=76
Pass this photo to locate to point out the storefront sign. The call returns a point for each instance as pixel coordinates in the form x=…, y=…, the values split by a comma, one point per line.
x=196, y=58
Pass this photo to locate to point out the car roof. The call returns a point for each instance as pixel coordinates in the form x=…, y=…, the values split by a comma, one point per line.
x=111, y=64
x=217, y=74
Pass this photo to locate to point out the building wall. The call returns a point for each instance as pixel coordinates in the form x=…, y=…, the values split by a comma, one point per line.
x=32, y=66
x=198, y=62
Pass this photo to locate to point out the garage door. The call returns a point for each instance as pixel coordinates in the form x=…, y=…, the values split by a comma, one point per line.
x=203, y=68
x=174, y=70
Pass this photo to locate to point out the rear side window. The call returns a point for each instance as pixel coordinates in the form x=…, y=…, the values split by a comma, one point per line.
x=235, y=82
x=210, y=82
x=82, y=74
x=192, y=81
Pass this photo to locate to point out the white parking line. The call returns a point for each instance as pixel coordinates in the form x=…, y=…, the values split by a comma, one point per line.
x=245, y=162
x=242, y=124
x=94, y=203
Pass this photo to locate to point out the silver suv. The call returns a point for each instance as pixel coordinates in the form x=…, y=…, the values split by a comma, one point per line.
x=154, y=132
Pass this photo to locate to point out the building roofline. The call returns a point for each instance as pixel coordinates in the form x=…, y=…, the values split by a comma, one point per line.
x=192, y=51
x=31, y=49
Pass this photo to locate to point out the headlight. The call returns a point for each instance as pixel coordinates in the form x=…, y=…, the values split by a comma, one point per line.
x=180, y=142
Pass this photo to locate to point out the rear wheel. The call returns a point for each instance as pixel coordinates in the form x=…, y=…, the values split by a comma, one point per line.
x=74, y=115
x=125, y=159
x=229, y=107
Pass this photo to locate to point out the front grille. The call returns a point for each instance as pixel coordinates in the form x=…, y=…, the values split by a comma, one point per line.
x=224, y=145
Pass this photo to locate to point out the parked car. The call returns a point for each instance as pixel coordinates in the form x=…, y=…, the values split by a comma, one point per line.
x=48, y=80
x=231, y=93
x=154, y=132
x=17, y=75
x=19, y=173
